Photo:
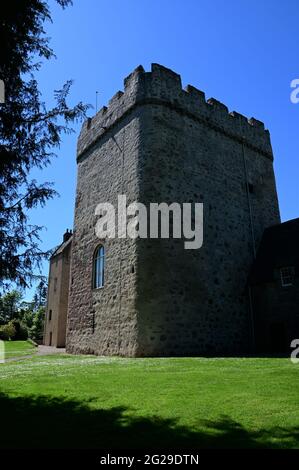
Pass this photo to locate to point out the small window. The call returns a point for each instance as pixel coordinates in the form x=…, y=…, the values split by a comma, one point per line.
x=98, y=267
x=287, y=275
x=55, y=284
x=50, y=315
x=250, y=188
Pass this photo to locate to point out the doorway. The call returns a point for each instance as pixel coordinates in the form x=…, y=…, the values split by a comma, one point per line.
x=278, y=338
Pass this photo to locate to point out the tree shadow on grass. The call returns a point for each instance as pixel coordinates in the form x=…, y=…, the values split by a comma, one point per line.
x=46, y=422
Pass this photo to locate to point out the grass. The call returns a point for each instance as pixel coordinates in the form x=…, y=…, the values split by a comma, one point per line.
x=10, y=349
x=94, y=402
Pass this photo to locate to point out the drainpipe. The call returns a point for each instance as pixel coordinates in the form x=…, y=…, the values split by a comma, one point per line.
x=122, y=151
x=253, y=241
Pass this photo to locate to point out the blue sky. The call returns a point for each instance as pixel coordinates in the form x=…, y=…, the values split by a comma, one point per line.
x=243, y=53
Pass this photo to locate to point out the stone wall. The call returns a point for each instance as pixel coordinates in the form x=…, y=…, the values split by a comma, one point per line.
x=58, y=296
x=275, y=301
x=157, y=142
x=276, y=310
x=103, y=321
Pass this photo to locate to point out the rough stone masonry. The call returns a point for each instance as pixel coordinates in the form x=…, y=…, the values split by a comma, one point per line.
x=158, y=142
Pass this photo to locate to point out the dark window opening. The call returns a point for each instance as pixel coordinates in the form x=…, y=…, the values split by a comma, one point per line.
x=250, y=188
x=93, y=322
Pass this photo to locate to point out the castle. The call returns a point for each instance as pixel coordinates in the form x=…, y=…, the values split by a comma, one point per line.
x=158, y=142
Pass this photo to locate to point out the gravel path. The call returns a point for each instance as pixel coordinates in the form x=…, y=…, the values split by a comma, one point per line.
x=46, y=350
x=41, y=351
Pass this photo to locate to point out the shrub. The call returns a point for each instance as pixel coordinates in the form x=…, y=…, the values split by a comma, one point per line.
x=36, y=332
x=7, y=331
x=21, y=333
x=3, y=333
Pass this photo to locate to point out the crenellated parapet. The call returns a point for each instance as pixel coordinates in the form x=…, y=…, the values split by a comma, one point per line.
x=163, y=87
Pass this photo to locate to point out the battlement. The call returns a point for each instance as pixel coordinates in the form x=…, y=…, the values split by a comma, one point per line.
x=162, y=86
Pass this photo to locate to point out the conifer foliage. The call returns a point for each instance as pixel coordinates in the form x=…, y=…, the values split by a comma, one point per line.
x=29, y=135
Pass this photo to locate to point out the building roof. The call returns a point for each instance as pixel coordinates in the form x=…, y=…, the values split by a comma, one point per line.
x=62, y=247
x=279, y=247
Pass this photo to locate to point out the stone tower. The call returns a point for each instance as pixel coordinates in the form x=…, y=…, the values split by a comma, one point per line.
x=157, y=142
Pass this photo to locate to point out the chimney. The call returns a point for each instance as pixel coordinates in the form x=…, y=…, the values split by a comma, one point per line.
x=67, y=235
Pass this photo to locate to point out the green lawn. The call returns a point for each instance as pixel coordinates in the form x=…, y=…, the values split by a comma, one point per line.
x=9, y=349
x=86, y=401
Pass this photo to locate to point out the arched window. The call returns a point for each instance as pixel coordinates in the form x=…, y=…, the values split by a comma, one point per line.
x=98, y=267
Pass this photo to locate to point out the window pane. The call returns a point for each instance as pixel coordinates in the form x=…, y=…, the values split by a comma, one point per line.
x=99, y=268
